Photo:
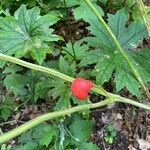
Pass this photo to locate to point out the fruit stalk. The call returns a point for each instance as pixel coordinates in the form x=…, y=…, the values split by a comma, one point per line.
x=144, y=14
x=32, y=123
x=111, y=98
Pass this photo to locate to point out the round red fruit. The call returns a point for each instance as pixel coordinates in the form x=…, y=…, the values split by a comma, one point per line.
x=80, y=88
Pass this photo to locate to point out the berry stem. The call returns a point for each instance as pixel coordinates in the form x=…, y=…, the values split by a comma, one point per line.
x=111, y=98
x=144, y=14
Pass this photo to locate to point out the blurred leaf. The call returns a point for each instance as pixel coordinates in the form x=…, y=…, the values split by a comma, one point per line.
x=88, y=146
x=81, y=130
x=142, y=62
x=65, y=67
x=75, y=51
x=48, y=134
x=83, y=11
x=28, y=146
x=12, y=69
x=16, y=83
x=41, y=135
x=7, y=106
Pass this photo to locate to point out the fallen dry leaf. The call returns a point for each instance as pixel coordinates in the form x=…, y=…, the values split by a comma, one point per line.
x=143, y=145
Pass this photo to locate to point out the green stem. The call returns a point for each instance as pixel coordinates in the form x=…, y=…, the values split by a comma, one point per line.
x=30, y=124
x=72, y=45
x=144, y=14
x=65, y=4
x=35, y=67
x=123, y=53
x=111, y=98
x=47, y=71
x=134, y=103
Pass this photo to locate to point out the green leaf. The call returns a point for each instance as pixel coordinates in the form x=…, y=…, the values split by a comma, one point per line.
x=56, y=88
x=88, y=146
x=16, y=83
x=104, y=2
x=81, y=130
x=47, y=135
x=6, y=107
x=42, y=88
x=114, y=134
x=130, y=36
x=61, y=91
x=142, y=62
x=75, y=51
x=41, y=135
x=125, y=78
x=27, y=31
x=6, y=147
x=38, y=55
x=65, y=67
x=28, y=146
x=2, y=63
x=84, y=12
x=12, y=69
x=107, y=58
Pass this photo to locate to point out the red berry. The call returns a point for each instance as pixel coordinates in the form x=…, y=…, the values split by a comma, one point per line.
x=80, y=88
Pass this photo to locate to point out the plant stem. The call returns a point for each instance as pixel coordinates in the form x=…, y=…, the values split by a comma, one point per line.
x=32, y=123
x=72, y=45
x=35, y=67
x=65, y=4
x=47, y=71
x=134, y=103
x=116, y=42
x=112, y=98
x=144, y=14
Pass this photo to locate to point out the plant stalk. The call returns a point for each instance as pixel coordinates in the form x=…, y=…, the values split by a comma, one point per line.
x=144, y=14
x=116, y=42
x=111, y=98
x=35, y=67
x=34, y=122
x=47, y=71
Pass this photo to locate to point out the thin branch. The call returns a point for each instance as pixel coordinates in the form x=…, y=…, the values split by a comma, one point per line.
x=32, y=123
x=144, y=14
x=47, y=71
x=112, y=98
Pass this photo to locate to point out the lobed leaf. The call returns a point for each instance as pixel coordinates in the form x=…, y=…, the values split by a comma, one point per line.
x=107, y=58
x=27, y=32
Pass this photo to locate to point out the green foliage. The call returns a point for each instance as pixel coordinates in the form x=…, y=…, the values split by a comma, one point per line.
x=7, y=106
x=15, y=84
x=40, y=136
x=75, y=132
x=75, y=51
x=63, y=135
x=6, y=147
x=29, y=146
x=110, y=134
x=27, y=32
x=84, y=12
x=55, y=87
x=30, y=34
x=108, y=58
x=81, y=130
x=88, y=146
